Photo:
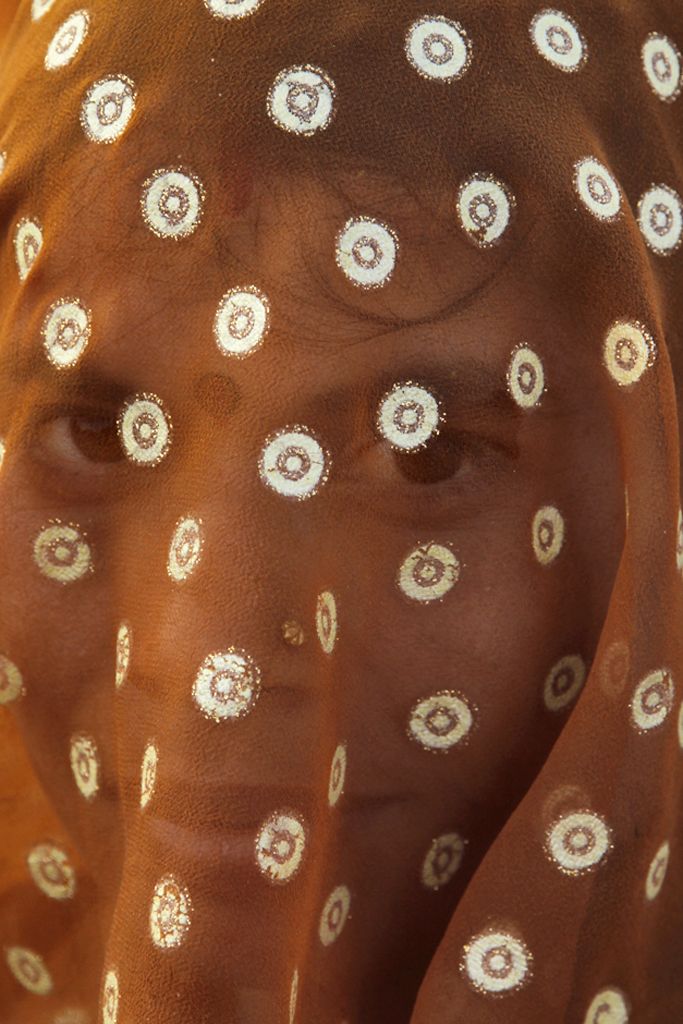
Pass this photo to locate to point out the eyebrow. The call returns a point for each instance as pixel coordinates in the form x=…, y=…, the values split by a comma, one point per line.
x=19, y=366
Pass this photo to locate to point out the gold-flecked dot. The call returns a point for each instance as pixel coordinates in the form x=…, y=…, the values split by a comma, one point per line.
x=293, y=632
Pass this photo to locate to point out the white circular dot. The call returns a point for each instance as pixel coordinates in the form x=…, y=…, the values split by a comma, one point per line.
x=227, y=685
x=563, y=682
x=597, y=188
x=232, y=8
x=557, y=38
x=293, y=462
x=335, y=786
x=652, y=700
x=525, y=377
x=172, y=201
x=67, y=40
x=441, y=721
x=39, y=8
x=326, y=624
x=579, y=841
x=660, y=219
x=662, y=66
x=408, y=415
x=657, y=871
x=607, y=1007
x=11, y=681
x=442, y=860
x=52, y=872
x=366, y=251
x=29, y=970
x=334, y=915
x=438, y=47
x=241, y=322
x=110, y=998
x=3, y=450
x=3, y=162
x=170, y=913
x=148, y=774
x=547, y=534
x=28, y=241
x=62, y=552
x=628, y=351
x=280, y=846
x=144, y=428
x=428, y=572
x=107, y=108
x=71, y=1015
x=124, y=639
x=484, y=208
x=185, y=550
x=293, y=994
x=301, y=99
x=496, y=962
x=85, y=765
x=66, y=331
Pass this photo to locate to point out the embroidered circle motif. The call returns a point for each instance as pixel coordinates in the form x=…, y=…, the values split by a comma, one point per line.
x=440, y=721
x=301, y=99
x=294, y=463
x=660, y=219
x=442, y=860
x=39, y=8
x=51, y=871
x=334, y=914
x=107, y=108
x=66, y=331
x=657, y=871
x=652, y=700
x=608, y=1007
x=28, y=241
x=597, y=188
x=366, y=251
x=62, y=552
x=337, y=775
x=148, y=774
x=408, y=415
x=428, y=572
x=11, y=681
x=232, y=8
x=484, y=207
x=496, y=962
x=438, y=47
x=124, y=638
x=525, y=377
x=547, y=534
x=29, y=970
x=241, y=322
x=227, y=685
x=662, y=66
x=144, y=429
x=578, y=842
x=172, y=201
x=67, y=40
x=85, y=765
x=557, y=38
x=280, y=846
x=170, y=913
x=293, y=993
x=326, y=620
x=563, y=682
x=110, y=998
x=628, y=351
x=186, y=549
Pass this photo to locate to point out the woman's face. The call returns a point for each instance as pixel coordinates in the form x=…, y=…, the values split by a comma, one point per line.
x=379, y=533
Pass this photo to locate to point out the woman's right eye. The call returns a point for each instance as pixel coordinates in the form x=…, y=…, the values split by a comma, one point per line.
x=78, y=441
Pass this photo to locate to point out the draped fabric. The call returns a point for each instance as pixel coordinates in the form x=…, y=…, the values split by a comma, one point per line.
x=341, y=550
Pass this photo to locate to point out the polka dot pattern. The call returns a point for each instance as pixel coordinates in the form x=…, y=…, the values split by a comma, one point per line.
x=85, y=765
x=62, y=552
x=557, y=38
x=564, y=681
x=662, y=66
x=484, y=208
x=52, y=871
x=301, y=100
x=110, y=998
x=660, y=219
x=525, y=377
x=334, y=915
x=242, y=321
x=294, y=463
x=438, y=48
x=326, y=620
x=29, y=970
x=429, y=572
x=442, y=860
x=578, y=842
x=657, y=871
x=408, y=416
x=107, y=108
x=366, y=251
x=185, y=551
x=66, y=331
x=280, y=846
x=145, y=429
x=496, y=962
x=441, y=721
x=172, y=202
x=227, y=685
x=628, y=351
x=11, y=681
x=547, y=534
x=170, y=913
x=608, y=1007
x=597, y=188
x=652, y=700
x=28, y=242
x=67, y=40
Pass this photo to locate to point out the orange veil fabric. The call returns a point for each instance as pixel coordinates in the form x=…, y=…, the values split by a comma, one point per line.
x=341, y=554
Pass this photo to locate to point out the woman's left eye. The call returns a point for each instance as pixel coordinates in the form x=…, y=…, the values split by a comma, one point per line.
x=78, y=442
x=444, y=457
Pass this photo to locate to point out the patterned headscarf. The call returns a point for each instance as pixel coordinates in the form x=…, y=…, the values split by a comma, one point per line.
x=341, y=550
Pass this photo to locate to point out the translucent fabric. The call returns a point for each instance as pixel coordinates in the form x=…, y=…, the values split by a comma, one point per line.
x=340, y=534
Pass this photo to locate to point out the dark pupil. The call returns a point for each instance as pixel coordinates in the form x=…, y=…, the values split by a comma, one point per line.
x=439, y=460
x=96, y=437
